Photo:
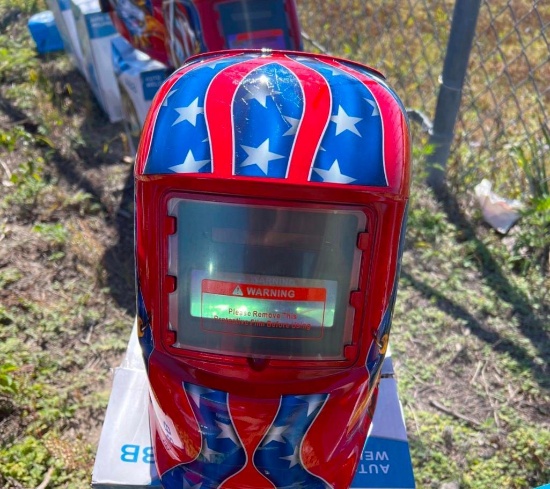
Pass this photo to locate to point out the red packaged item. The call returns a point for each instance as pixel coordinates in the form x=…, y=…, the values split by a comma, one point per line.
x=141, y=23
x=171, y=31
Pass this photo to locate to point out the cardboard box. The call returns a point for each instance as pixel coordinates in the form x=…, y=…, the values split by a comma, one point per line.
x=139, y=78
x=64, y=20
x=125, y=458
x=95, y=33
x=386, y=459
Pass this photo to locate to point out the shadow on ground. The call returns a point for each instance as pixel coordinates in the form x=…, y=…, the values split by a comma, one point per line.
x=96, y=170
x=530, y=325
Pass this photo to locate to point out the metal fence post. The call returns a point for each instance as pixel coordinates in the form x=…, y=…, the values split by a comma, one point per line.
x=450, y=91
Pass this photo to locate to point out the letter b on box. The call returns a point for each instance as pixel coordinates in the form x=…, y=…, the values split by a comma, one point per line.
x=132, y=453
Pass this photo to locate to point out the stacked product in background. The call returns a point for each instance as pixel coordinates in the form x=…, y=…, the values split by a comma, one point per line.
x=171, y=31
x=141, y=24
x=64, y=20
x=139, y=78
x=95, y=33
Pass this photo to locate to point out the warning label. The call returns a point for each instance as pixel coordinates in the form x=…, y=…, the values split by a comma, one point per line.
x=260, y=305
x=271, y=292
x=251, y=304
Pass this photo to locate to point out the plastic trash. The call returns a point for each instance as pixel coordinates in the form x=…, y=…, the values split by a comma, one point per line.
x=498, y=212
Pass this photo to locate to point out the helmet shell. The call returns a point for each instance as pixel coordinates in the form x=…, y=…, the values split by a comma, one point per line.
x=318, y=142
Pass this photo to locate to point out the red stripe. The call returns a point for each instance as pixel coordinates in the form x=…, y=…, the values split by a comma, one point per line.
x=251, y=418
x=218, y=111
x=316, y=116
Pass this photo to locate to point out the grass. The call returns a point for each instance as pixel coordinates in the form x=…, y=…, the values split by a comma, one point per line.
x=505, y=94
x=471, y=326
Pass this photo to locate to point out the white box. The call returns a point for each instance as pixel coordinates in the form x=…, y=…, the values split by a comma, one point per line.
x=124, y=458
x=64, y=20
x=95, y=32
x=386, y=459
x=139, y=78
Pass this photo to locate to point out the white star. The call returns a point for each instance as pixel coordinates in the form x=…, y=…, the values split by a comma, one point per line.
x=333, y=174
x=186, y=485
x=293, y=125
x=294, y=459
x=260, y=156
x=312, y=402
x=260, y=91
x=190, y=165
x=208, y=453
x=168, y=95
x=344, y=122
x=375, y=111
x=275, y=434
x=189, y=113
x=227, y=432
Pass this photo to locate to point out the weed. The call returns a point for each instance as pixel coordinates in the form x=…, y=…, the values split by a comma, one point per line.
x=83, y=202
x=23, y=6
x=9, y=276
x=56, y=234
x=9, y=139
x=29, y=185
x=466, y=326
x=7, y=381
x=532, y=245
x=16, y=61
x=25, y=461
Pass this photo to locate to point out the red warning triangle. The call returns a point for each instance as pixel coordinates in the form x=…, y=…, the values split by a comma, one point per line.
x=238, y=291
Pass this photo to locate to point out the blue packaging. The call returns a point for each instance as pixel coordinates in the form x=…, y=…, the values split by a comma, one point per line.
x=44, y=32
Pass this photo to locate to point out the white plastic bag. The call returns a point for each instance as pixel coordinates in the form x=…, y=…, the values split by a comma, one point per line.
x=498, y=212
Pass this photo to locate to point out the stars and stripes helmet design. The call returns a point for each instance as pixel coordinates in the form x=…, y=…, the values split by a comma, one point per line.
x=271, y=197
x=271, y=92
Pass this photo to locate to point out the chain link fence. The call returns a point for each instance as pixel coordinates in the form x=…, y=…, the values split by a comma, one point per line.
x=506, y=95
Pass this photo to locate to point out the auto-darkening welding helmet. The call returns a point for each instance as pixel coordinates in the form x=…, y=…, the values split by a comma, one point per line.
x=194, y=26
x=271, y=196
x=171, y=31
x=141, y=23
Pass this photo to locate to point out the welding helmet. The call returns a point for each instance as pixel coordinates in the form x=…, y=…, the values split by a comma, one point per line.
x=140, y=22
x=194, y=26
x=171, y=31
x=271, y=196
